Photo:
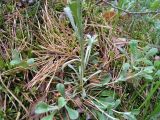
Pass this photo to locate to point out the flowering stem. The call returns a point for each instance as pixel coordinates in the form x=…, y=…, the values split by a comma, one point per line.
x=81, y=41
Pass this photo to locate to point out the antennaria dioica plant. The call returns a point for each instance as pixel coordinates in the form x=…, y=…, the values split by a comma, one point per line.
x=74, y=13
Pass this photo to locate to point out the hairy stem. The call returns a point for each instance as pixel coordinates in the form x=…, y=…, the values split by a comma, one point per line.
x=81, y=41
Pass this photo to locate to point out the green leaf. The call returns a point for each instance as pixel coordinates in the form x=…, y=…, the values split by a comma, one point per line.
x=157, y=73
x=61, y=102
x=15, y=62
x=108, y=102
x=147, y=62
x=75, y=7
x=152, y=52
x=68, y=12
x=135, y=111
x=148, y=77
x=60, y=87
x=123, y=74
x=125, y=67
x=101, y=116
x=122, y=77
x=117, y=103
x=15, y=58
x=23, y=64
x=91, y=40
x=103, y=107
x=44, y=107
x=133, y=46
x=136, y=68
x=149, y=69
x=108, y=93
x=73, y=114
x=157, y=24
x=1, y=118
x=106, y=79
x=84, y=94
x=30, y=61
x=15, y=55
x=129, y=116
x=49, y=117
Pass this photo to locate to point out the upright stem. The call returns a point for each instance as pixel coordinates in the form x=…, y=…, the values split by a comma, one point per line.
x=81, y=41
x=82, y=64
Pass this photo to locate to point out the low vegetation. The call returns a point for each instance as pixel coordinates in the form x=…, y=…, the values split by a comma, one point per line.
x=84, y=60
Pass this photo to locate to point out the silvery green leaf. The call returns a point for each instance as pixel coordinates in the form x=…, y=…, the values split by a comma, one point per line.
x=61, y=88
x=157, y=24
x=135, y=111
x=106, y=103
x=106, y=79
x=72, y=67
x=49, y=117
x=73, y=114
x=108, y=93
x=15, y=62
x=133, y=46
x=69, y=62
x=76, y=9
x=126, y=66
x=157, y=73
x=91, y=40
x=152, y=52
x=117, y=103
x=68, y=12
x=92, y=75
x=84, y=93
x=129, y=116
x=121, y=78
x=30, y=61
x=101, y=116
x=43, y=107
x=148, y=77
x=15, y=55
x=149, y=69
x=61, y=102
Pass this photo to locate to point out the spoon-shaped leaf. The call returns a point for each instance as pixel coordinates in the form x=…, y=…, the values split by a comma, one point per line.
x=43, y=107
x=61, y=102
x=60, y=87
x=73, y=114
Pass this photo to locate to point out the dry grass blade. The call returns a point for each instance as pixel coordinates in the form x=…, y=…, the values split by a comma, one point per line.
x=57, y=47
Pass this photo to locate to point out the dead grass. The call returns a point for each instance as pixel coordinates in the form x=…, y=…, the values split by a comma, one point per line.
x=49, y=39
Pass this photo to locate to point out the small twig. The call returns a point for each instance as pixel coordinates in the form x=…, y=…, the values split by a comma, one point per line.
x=129, y=12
